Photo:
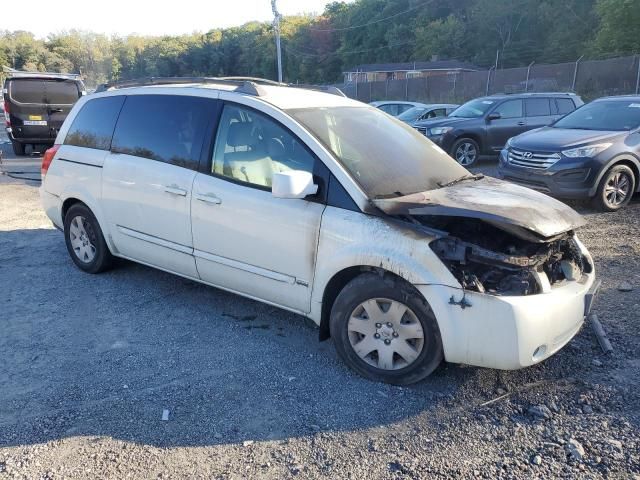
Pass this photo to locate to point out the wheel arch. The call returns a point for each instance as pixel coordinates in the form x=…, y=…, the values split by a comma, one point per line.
x=337, y=283
x=476, y=137
x=630, y=161
x=72, y=197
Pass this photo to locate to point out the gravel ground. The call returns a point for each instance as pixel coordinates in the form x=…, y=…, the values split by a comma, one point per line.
x=89, y=365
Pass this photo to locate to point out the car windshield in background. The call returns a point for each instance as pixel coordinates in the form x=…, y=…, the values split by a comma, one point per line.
x=603, y=115
x=473, y=109
x=412, y=114
x=54, y=92
x=386, y=158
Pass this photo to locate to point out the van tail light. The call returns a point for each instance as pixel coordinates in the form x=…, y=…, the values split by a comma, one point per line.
x=47, y=159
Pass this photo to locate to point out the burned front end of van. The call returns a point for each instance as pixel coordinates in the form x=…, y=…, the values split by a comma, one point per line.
x=521, y=281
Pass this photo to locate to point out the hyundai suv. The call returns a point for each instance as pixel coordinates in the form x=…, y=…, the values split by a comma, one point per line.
x=326, y=207
x=483, y=126
x=35, y=106
x=593, y=152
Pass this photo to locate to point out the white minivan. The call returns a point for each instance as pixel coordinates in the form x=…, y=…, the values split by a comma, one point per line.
x=326, y=207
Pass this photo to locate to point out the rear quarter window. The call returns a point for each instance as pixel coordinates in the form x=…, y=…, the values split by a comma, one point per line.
x=93, y=126
x=166, y=128
x=565, y=105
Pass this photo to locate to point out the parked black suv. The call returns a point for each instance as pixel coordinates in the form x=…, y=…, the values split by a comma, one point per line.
x=593, y=152
x=35, y=106
x=483, y=126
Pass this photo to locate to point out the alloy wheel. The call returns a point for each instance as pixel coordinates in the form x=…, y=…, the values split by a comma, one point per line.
x=466, y=153
x=617, y=189
x=385, y=333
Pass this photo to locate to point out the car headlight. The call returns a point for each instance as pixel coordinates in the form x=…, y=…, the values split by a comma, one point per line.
x=586, y=151
x=508, y=144
x=439, y=130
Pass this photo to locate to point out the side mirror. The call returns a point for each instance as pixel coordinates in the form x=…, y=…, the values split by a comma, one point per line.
x=293, y=184
x=494, y=116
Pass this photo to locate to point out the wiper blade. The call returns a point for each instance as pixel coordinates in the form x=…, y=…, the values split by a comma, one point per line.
x=477, y=176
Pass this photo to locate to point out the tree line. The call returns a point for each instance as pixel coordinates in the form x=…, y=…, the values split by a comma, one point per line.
x=317, y=49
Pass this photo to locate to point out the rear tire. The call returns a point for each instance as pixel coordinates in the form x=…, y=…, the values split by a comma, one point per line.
x=384, y=329
x=84, y=239
x=465, y=151
x=18, y=148
x=616, y=188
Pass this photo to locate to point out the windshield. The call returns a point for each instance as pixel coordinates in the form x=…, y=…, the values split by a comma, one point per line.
x=473, y=109
x=34, y=90
x=412, y=114
x=603, y=115
x=387, y=158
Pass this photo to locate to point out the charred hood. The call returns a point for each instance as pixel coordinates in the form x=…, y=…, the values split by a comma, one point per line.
x=518, y=210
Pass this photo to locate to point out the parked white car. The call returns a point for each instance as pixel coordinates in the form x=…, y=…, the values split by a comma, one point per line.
x=326, y=207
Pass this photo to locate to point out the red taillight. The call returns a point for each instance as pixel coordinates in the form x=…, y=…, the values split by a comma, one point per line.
x=47, y=159
x=6, y=113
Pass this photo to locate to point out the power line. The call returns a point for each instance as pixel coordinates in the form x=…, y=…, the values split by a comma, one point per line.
x=329, y=54
x=370, y=23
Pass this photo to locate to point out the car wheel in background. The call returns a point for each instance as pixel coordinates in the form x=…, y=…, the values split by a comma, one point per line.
x=18, y=148
x=385, y=330
x=465, y=151
x=616, y=189
x=85, y=241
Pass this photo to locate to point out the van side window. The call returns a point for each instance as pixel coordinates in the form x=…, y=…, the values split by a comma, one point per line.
x=94, y=124
x=166, y=128
x=250, y=147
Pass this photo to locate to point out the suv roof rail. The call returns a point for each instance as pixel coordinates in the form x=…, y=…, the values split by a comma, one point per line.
x=12, y=73
x=532, y=94
x=248, y=85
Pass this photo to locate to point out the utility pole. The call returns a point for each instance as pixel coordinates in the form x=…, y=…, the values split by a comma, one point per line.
x=276, y=26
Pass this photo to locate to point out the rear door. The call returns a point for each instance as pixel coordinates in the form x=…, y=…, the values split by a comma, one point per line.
x=60, y=95
x=148, y=176
x=511, y=122
x=38, y=107
x=538, y=112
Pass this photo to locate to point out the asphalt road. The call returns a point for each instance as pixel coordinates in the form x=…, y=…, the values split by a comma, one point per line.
x=90, y=365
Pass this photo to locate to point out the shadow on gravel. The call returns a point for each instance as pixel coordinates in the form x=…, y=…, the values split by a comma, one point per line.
x=106, y=354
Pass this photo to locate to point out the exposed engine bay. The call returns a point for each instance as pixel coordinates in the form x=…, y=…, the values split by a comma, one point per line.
x=488, y=259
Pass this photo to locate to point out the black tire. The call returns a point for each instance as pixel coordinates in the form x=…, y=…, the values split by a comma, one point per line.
x=374, y=286
x=607, y=200
x=18, y=148
x=102, y=259
x=471, y=145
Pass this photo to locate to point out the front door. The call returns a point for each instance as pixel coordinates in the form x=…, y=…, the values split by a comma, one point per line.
x=148, y=176
x=244, y=239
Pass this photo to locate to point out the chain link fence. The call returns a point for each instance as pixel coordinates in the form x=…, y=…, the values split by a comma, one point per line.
x=588, y=78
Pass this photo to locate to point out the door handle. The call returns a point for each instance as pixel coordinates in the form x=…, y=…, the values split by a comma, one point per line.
x=175, y=190
x=208, y=198
x=520, y=124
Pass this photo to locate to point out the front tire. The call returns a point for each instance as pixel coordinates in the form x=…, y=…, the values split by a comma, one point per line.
x=385, y=330
x=84, y=239
x=465, y=151
x=616, y=189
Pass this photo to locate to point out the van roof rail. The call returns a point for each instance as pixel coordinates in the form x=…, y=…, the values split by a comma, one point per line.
x=12, y=73
x=248, y=85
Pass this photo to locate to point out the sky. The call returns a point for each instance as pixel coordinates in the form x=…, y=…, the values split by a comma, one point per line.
x=146, y=17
